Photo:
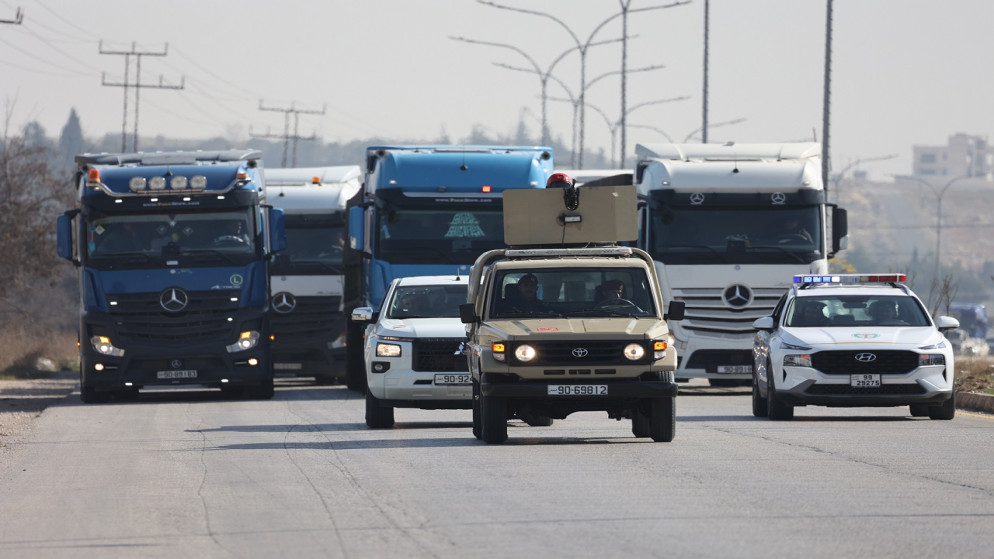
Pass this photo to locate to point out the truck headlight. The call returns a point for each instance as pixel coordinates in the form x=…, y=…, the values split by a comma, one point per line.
x=246, y=340
x=525, y=353
x=102, y=345
x=634, y=352
x=797, y=360
x=387, y=350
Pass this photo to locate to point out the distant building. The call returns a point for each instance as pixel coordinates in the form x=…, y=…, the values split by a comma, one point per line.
x=965, y=155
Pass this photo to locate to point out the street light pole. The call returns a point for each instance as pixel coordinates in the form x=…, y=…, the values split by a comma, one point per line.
x=939, y=193
x=714, y=125
x=837, y=178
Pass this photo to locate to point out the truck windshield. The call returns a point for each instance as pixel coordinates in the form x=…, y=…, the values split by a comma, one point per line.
x=735, y=234
x=314, y=246
x=206, y=237
x=450, y=234
x=572, y=292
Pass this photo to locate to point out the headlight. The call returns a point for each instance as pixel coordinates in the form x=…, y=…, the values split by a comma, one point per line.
x=785, y=345
x=797, y=360
x=931, y=359
x=101, y=344
x=387, y=350
x=940, y=345
x=634, y=352
x=525, y=353
x=246, y=340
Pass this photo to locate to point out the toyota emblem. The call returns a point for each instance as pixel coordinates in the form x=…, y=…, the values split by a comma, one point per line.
x=866, y=357
x=580, y=352
x=737, y=296
x=284, y=302
x=174, y=299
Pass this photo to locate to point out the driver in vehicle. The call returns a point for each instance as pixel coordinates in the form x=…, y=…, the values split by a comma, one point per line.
x=611, y=290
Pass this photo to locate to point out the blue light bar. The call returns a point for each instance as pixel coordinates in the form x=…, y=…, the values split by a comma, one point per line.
x=852, y=278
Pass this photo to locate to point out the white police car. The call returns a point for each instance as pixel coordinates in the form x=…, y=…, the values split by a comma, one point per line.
x=852, y=340
x=413, y=348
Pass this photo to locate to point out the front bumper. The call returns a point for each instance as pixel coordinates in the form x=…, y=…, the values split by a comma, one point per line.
x=805, y=386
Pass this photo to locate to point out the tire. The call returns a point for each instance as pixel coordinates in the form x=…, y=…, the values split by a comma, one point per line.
x=378, y=416
x=493, y=419
x=945, y=411
x=265, y=390
x=775, y=408
x=759, y=405
x=476, y=410
x=662, y=419
x=640, y=423
x=919, y=410
x=355, y=366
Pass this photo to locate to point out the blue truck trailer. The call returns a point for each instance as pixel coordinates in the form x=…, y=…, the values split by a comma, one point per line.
x=173, y=251
x=425, y=211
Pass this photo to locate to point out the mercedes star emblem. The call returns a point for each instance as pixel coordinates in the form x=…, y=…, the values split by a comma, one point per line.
x=174, y=299
x=284, y=302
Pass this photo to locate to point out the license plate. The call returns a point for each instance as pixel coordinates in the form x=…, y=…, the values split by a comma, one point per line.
x=288, y=366
x=449, y=379
x=734, y=369
x=577, y=390
x=182, y=373
x=864, y=381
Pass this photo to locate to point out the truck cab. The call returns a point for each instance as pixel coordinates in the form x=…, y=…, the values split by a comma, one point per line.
x=566, y=319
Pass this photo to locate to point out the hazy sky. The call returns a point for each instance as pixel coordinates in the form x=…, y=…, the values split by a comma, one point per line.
x=904, y=72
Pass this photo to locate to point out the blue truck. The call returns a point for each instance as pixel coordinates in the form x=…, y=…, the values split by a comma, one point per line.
x=173, y=250
x=424, y=211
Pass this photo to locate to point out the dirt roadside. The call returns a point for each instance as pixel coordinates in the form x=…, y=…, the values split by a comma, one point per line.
x=22, y=400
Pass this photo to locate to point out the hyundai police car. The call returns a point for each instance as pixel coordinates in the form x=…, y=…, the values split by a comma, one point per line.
x=413, y=348
x=852, y=340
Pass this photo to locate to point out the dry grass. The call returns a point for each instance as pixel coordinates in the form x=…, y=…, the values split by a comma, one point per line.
x=975, y=374
x=37, y=354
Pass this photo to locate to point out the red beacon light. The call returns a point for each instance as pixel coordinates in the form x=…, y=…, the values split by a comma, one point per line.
x=315, y=180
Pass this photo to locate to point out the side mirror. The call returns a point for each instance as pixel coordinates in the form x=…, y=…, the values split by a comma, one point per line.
x=355, y=226
x=467, y=313
x=362, y=314
x=765, y=323
x=277, y=229
x=63, y=246
x=676, y=311
x=946, y=323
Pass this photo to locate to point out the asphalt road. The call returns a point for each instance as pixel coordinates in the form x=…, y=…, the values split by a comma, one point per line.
x=183, y=474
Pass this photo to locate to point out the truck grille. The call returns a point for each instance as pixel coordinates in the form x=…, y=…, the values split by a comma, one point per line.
x=708, y=314
x=140, y=318
x=438, y=355
x=312, y=317
x=886, y=362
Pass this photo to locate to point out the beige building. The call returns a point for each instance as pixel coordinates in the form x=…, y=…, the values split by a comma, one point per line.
x=964, y=155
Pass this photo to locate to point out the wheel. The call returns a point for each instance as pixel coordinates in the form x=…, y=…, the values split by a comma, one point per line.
x=919, y=410
x=377, y=415
x=640, y=423
x=355, y=367
x=662, y=419
x=775, y=408
x=759, y=404
x=262, y=391
x=476, y=410
x=493, y=419
x=946, y=411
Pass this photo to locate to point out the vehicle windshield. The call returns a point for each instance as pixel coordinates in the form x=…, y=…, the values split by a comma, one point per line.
x=314, y=246
x=450, y=233
x=426, y=301
x=572, y=292
x=735, y=234
x=856, y=311
x=206, y=237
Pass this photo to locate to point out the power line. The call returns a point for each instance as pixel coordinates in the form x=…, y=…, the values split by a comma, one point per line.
x=286, y=127
x=137, y=85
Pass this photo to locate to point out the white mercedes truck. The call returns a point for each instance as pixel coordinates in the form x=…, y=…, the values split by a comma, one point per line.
x=308, y=319
x=725, y=224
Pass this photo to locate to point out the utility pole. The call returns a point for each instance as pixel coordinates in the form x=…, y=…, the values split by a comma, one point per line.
x=286, y=137
x=137, y=85
x=826, y=160
x=18, y=18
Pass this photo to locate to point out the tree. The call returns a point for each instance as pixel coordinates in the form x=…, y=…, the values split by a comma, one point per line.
x=71, y=140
